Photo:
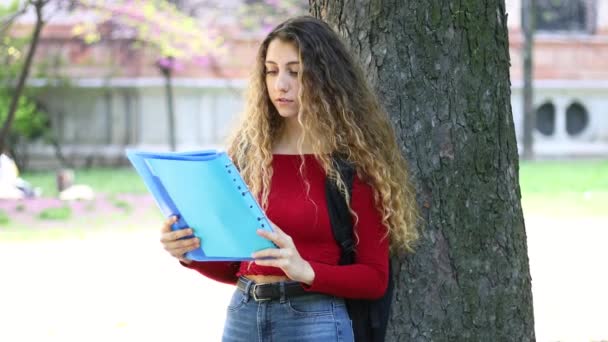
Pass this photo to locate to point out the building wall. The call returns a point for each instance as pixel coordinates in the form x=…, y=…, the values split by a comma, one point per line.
x=98, y=117
x=592, y=141
x=95, y=124
x=568, y=68
x=514, y=7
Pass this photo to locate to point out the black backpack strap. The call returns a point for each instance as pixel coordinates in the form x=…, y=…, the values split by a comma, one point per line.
x=339, y=215
x=369, y=317
x=380, y=309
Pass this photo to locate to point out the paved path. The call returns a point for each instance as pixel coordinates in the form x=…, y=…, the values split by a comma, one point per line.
x=115, y=287
x=569, y=267
x=122, y=287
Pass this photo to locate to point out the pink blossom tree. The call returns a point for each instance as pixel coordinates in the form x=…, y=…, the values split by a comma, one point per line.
x=185, y=31
x=179, y=31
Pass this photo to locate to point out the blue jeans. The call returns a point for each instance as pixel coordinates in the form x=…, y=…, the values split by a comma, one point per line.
x=310, y=317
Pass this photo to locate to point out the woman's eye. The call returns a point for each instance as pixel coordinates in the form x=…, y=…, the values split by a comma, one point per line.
x=293, y=73
x=271, y=72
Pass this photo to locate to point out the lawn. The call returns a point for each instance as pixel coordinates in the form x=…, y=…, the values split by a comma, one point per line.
x=568, y=189
x=106, y=180
x=571, y=188
x=565, y=188
x=121, y=203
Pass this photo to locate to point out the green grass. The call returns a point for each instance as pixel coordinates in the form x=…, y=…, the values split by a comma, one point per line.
x=104, y=180
x=546, y=177
x=56, y=214
x=4, y=219
x=120, y=204
x=551, y=177
x=553, y=188
x=569, y=188
x=565, y=188
x=72, y=229
x=80, y=227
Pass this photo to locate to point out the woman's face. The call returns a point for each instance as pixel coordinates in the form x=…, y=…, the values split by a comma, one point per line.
x=282, y=68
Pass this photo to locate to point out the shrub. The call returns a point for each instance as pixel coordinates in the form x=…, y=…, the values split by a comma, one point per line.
x=57, y=214
x=4, y=219
x=122, y=205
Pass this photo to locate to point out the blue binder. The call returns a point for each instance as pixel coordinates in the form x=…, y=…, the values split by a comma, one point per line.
x=205, y=190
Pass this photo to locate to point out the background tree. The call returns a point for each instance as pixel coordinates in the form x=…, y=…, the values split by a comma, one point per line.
x=179, y=31
x=183, y=30
x=529, y=14
x=160, y=25
x=31, y=122
x=441, y=69
x=38, y=6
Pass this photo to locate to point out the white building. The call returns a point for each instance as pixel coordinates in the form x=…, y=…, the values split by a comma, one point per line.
x=116, y=95
x=570, y=76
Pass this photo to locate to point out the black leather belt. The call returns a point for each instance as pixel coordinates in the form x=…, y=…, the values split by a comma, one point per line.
x=270, y=291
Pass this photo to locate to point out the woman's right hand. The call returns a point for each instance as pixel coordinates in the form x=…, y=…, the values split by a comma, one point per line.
x=172, y=243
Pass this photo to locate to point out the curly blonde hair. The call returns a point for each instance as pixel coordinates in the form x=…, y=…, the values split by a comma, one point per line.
x=341, y=112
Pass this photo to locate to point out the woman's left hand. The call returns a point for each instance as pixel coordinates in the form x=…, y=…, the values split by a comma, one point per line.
x=286, y=257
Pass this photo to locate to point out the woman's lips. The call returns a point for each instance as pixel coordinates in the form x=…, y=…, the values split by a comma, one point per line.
x=284, y=102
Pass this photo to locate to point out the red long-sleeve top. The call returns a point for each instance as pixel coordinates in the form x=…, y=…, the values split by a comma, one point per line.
x=305, y=218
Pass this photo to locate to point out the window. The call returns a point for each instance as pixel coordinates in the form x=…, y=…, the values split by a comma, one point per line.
x=577, y=119
x=545, y=119
x=565, y=16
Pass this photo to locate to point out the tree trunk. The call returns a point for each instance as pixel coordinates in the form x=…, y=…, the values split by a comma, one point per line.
x=441, y=69
x=170, y=109
x=528, y=110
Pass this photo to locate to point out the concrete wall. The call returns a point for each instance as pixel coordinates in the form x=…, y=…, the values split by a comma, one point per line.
x=96, y=123
x=96, y=119
x=592, y=95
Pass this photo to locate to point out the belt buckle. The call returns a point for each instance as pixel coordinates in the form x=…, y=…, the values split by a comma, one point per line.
x=254, y=294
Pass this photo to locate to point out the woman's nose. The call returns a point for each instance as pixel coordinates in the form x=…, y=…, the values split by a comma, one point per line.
x=282, y=84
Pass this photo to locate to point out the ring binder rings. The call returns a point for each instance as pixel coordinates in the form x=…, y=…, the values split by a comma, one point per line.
x=206, y=191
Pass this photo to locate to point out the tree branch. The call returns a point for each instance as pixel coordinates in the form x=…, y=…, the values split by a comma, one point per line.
x=7, y=21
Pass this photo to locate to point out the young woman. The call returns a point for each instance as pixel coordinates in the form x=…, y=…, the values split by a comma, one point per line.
x=308, y=100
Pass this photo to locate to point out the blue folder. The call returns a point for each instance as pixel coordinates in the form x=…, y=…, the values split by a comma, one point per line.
x=205, y=190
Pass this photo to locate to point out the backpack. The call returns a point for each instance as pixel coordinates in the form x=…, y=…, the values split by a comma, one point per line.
x=369, y=317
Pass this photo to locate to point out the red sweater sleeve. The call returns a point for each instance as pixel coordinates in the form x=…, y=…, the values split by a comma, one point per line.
x=222, y=271
x=367, y=277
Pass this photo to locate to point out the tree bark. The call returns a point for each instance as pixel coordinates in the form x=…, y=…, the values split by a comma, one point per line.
x=441, y=69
